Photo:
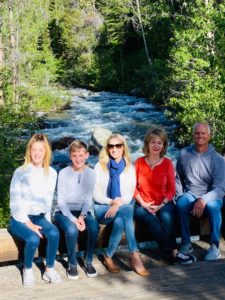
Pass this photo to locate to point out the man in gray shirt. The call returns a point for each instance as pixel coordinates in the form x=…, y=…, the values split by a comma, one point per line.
x=200, y=186
x=75, y=188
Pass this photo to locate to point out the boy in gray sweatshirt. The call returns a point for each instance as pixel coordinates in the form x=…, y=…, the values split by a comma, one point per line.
x=75, y=188
x=200, y=187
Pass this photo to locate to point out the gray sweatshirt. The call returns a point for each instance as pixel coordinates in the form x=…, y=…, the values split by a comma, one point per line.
x=31, y=192
x=75, y=191
x=202, y=174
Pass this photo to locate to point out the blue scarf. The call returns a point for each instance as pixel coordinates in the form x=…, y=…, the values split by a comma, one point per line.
x=115, y=169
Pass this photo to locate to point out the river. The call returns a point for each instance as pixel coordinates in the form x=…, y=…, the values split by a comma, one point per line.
x=127, y=115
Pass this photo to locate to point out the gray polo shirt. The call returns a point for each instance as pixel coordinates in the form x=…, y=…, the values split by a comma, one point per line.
x=202, y=174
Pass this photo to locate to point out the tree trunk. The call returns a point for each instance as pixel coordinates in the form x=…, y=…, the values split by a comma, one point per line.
x=138, y=14
x=122, y=70
x=1, y=66
x=210, y=35
x=143, y=34
x=13, y=52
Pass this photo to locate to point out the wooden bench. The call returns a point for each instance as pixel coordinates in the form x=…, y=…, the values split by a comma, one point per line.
x=9, y=249
x=12, y=249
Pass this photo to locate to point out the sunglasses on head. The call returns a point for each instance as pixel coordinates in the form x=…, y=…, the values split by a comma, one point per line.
x=39, y=137
x=117, y=146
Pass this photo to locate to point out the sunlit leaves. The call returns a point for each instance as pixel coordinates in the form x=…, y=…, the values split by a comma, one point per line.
x=197, y=76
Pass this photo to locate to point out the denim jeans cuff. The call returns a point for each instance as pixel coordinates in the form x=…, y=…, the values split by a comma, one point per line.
x=72, y=265
x=109, y=254
x=134, y=250
x=89, y=261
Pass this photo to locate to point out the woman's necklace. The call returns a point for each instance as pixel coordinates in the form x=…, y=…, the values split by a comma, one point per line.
x=152, y=162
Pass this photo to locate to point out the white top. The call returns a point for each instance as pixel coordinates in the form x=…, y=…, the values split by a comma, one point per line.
x=31, y=192
x=75, y=191
x=127, y=185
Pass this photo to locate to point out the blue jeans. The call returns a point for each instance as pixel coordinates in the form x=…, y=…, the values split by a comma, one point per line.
x=212, y=209
x=49, y=231
x=160, y=226
x=71, y=234
x=122, y=221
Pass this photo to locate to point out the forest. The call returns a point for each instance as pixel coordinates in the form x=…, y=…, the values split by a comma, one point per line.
x=171, y=52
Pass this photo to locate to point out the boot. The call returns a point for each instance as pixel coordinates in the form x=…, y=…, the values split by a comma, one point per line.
x=137, y=265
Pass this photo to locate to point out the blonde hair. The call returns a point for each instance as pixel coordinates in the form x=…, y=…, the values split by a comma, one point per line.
x=104, y=153
x=48, y=154
x=152, y=132
x=77, y=145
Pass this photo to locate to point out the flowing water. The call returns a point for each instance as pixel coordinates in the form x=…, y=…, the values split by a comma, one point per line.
x=127, y=115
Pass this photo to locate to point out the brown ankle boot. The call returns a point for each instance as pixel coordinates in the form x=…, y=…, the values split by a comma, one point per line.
x=137, y=265
x=110, y=265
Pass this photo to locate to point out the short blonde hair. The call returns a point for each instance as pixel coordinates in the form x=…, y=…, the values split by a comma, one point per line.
x=39, y=137
x=104, y=153
x=152, y=132
x=77, y=145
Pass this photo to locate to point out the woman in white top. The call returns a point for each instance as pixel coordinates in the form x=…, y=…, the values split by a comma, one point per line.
x=113, y=193
x=31, y=194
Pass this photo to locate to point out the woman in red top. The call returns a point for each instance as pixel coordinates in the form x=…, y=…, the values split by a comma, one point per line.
x=154, y=194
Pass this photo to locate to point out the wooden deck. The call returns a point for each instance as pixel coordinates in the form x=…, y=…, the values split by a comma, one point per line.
x=202, y=280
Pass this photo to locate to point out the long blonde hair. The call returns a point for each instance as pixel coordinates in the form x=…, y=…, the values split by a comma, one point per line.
x=104, y=153
x=48, y=154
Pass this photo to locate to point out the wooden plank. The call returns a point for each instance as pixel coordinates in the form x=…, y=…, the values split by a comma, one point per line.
x=8, y=248
x=11, y=249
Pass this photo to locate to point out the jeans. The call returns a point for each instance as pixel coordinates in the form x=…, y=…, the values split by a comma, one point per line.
x=160, y=226
x=31, y=239
x=122, y=221
x=71, y=234
x=212, y=209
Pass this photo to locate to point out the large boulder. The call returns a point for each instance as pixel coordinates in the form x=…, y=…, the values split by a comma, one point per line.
x=137, y=92
x=98, y=139
x=62, y=143
x=223, y=152
x=82, y=93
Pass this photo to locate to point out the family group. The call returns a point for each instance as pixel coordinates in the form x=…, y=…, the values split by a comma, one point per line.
x=151, y=192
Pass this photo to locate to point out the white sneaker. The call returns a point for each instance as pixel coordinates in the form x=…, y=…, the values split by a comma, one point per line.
x=213, y=253
x=28, y=277
x=90, y=270
x=52, y=276
x=185, y=259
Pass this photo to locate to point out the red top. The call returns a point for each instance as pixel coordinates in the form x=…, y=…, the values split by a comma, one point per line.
x=155, y=184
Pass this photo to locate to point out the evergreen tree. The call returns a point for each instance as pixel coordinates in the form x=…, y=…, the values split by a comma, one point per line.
x=197, y=79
